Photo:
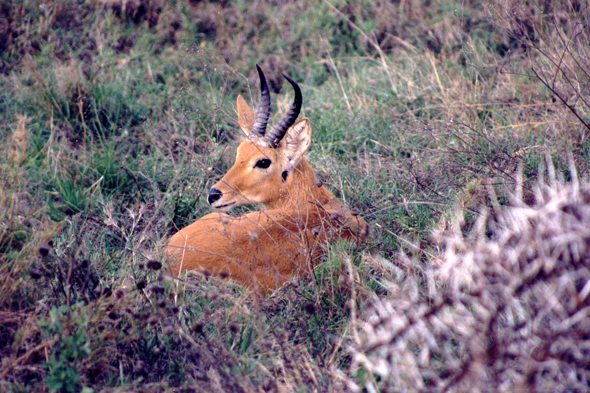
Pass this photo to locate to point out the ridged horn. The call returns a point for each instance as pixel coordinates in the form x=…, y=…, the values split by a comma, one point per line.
x=276, y=134
x=263, y=113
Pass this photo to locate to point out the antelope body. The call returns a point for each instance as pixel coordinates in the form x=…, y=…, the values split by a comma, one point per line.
x=265, y=248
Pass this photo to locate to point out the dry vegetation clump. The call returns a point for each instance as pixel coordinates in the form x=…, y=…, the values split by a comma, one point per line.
x=510, y=312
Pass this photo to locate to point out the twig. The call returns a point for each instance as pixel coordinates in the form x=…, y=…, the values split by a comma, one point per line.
x=135, y=180
x=573, y=110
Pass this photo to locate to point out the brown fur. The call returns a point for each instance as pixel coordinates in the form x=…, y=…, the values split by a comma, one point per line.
x=244, y=184
x=261, y=249
x=265, y=248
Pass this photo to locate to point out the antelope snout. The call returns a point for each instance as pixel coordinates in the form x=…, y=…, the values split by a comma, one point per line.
x=214, y=195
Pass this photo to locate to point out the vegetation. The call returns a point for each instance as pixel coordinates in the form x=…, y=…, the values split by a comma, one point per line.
x=116, y=116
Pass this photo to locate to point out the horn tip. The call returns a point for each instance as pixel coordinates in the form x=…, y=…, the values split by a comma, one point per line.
x=263, y=84
x=293, y=83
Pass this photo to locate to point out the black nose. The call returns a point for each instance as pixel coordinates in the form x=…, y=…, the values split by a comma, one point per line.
x=214, y=195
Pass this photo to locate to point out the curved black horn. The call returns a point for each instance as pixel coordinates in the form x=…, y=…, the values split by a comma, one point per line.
x=276, y=134
x=263, y=113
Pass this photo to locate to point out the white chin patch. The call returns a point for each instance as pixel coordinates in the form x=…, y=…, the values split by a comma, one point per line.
x=224, y=207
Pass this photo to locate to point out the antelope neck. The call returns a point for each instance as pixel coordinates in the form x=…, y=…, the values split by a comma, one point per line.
x=300, y=190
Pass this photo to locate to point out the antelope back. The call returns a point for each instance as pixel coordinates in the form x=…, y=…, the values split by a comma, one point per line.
x=263, y=249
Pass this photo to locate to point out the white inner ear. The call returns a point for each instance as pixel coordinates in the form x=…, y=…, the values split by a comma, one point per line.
x=297, y=142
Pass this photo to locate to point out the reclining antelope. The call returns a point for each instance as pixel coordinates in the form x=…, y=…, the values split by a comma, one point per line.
x=265, y=248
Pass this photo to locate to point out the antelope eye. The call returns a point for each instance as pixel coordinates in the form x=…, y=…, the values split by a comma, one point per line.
x=263, y=163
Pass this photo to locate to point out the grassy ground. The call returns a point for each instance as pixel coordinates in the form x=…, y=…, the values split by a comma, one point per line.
x=117, y=116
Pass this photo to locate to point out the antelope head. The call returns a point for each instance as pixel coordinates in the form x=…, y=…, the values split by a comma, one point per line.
x=266, y=160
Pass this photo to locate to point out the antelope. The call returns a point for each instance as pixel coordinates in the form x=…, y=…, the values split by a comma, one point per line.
x=286, y=238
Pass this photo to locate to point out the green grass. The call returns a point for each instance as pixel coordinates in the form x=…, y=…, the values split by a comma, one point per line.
x=131, y=119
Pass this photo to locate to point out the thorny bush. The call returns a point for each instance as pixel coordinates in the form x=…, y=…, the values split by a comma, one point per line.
x=512, y=313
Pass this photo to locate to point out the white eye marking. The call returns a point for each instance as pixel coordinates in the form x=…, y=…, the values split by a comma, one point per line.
x=262, y=143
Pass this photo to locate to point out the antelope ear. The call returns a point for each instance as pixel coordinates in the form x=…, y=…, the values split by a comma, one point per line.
x=245, y=115
x=296, y=143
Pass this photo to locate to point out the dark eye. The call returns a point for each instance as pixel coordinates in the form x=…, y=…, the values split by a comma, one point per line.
x=263, y=163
